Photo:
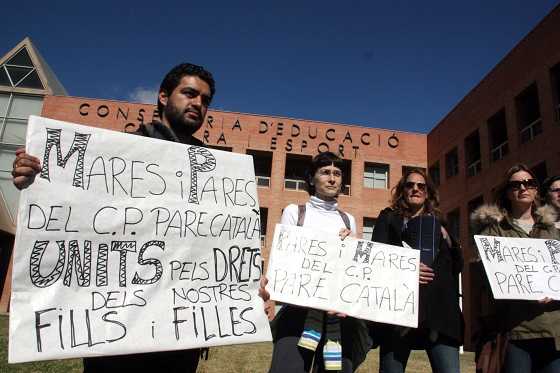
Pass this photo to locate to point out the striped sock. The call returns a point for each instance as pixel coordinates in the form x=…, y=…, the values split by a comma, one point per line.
x=309, y=339
x=332, y=354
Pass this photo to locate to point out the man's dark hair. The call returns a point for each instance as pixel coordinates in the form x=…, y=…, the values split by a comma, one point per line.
x=174, y=76
x=321, y=160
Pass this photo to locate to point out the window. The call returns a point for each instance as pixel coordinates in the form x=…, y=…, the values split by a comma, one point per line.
x=454, y=223
x=367, y=232
x=452, y=163
x=555, y=75
x=263, y=216
x=14, y=113
x=296, y=168
x=19, y=71
x=9, y=193
x=262, y=161
x=528, y=113
x=15, y=110
x=434, y=173
x=376, y=175
x=498, y=138
x=346, y=176
x=472, y=154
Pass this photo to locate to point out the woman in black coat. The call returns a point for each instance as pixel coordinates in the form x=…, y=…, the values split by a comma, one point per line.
x=414, y=218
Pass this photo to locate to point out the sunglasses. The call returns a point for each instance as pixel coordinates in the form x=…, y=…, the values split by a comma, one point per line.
x=555, y=190
x=410, y=185
x=527, y=183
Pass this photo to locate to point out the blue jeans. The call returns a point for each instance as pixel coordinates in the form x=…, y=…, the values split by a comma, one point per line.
x=444, y=358
x=532, y=356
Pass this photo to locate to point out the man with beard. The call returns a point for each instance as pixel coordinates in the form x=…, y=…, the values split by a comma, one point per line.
x=183, y=99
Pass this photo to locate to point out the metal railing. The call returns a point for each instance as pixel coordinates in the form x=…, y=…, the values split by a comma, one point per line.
x=263, y=181
x=474, y=168
x=531, y=130
x=500, y=151
x=295, y=184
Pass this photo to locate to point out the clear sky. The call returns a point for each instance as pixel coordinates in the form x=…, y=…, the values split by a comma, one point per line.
x=397, y=64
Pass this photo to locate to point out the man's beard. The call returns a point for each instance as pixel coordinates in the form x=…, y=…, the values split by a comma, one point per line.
x=179, y=122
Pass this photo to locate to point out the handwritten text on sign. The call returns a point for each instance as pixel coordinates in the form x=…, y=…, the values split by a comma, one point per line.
x=128, y=244
x=364, y=279
x=521, y=268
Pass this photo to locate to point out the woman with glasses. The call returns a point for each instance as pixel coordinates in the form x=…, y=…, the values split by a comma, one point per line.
x=414, y=218
x=527, y=332
x=551, y=195
x=306, y=339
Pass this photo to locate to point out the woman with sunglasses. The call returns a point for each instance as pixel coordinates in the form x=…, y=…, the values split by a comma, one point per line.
x=414, y=218
x=532, y=328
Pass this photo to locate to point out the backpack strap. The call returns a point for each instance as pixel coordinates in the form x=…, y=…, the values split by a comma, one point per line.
x=344, y=218
x=301, y=215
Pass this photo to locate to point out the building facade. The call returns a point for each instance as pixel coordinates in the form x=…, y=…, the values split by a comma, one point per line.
x=511, y=116
x=25, y=79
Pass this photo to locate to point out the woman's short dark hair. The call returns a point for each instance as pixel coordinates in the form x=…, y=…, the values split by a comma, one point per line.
x=501, y=197
x=398, y=200
x=321, y=160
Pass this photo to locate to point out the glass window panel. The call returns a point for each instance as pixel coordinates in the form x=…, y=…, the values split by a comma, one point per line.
x=378, y=174
x=290, y=184
x=14, y=131
x=17, y=73
x=6, y=159
x=379, y=184
x=9, y=193
x=4, y=100
x=368, y=183
x=24, y=106
x=21, y=58
x=367, y=233
x=4, y=78
x=32, y=81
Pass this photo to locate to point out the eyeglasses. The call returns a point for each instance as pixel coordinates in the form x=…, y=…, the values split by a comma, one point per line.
x=527, y=183
x=410, y=185
x=555, y=190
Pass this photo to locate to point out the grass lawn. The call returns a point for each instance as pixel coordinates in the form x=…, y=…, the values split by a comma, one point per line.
x=238, y=359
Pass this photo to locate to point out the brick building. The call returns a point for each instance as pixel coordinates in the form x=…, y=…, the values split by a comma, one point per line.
x=512, y=115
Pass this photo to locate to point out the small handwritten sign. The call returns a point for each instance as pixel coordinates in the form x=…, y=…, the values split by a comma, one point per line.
x=364, y=279
x=128, y=244
x=521, y=268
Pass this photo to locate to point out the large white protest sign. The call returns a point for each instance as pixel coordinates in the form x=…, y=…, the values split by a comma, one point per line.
x=364, y=279
x=521, y=268
x=128, y=244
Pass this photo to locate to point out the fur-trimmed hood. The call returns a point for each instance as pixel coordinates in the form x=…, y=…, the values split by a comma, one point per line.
x=487, y=215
